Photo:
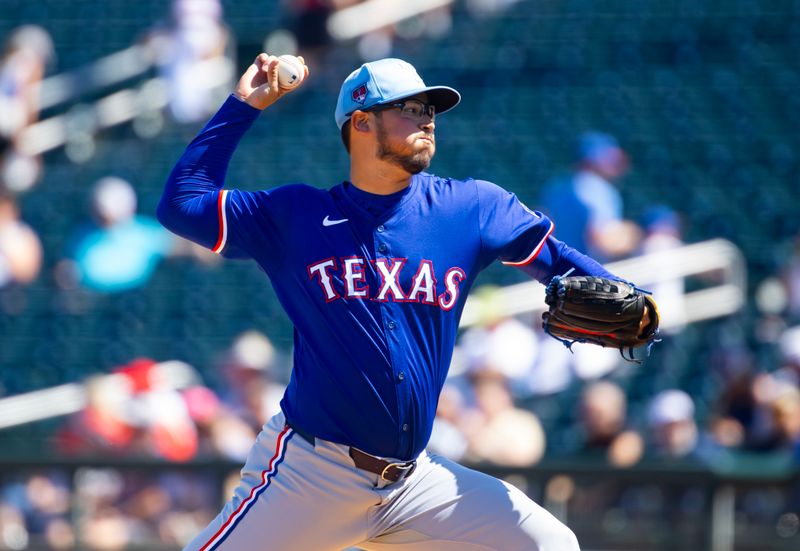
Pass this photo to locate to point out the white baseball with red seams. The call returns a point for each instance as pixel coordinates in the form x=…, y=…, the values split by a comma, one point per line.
x=291, y=71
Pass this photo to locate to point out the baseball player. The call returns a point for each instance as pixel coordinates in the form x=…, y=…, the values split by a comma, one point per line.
x=373, y=273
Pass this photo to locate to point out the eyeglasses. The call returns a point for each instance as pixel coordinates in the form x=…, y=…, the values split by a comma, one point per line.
x=413, y=109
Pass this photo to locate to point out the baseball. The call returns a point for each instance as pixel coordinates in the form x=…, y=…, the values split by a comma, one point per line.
x=291, y=72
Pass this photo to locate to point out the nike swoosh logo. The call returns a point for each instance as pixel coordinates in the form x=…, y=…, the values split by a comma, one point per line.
x=328, y=222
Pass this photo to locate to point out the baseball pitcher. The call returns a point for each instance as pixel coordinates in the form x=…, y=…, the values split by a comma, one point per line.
x=373, y=272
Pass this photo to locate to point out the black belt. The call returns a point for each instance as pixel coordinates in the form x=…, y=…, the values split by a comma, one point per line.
x=387, y=470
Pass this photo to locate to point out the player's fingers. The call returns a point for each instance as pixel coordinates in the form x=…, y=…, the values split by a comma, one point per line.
x=256, y=67
x=261, y=59
x=266, y=63
x=305, y=67
x=249, y=78
x=272, y=74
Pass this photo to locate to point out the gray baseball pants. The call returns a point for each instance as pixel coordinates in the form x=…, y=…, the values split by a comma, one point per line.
x=295, y=496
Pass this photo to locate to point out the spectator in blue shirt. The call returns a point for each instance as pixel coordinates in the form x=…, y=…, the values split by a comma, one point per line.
x=587, y=207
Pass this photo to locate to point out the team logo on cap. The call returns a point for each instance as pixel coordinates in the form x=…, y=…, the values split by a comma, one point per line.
x=360, y=94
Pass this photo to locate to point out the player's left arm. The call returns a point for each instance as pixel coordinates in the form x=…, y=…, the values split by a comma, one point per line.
x=523, y=238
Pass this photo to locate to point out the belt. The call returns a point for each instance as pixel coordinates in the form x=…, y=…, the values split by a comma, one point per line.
x=388, y=470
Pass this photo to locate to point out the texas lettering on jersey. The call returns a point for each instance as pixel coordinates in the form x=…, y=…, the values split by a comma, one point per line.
x=348, y=274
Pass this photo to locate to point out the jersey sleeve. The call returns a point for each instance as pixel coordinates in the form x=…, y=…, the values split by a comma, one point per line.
x=248, y=221
x=194, y=204
x=521, y=237
x=509, y=230
x=558, y=258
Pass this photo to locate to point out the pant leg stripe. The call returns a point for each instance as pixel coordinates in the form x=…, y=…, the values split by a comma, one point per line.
x=266, y=477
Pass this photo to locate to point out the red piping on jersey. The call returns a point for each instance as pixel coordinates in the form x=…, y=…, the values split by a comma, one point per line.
x=531, y=257
x=222, y=222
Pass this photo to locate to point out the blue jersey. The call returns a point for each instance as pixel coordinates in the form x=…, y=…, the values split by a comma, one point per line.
x=375, y=295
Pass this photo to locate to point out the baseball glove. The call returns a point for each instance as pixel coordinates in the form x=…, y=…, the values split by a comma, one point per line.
x=600, y=311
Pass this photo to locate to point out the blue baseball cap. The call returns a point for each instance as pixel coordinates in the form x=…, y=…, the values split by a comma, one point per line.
x=595, y=146
x=385, y=81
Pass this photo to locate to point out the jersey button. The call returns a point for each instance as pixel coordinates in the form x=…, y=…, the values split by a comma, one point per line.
x=391, y=324
x=382, y=248
x=381, y=228
x=405, y=427
x=401, y=376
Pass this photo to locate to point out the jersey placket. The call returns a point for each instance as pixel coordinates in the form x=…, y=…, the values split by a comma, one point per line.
x=392, y=331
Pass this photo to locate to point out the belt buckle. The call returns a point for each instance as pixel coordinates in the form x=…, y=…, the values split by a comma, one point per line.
x=402, y=466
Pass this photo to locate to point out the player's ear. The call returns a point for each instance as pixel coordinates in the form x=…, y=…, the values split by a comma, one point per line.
x=360, y=121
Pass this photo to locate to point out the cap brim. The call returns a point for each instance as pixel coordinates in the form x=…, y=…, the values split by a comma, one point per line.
x=443, y=98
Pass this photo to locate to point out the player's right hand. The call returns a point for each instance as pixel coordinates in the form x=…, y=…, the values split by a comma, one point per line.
x=259, y=83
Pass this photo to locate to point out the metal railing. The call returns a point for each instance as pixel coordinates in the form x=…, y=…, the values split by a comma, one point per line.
x=140, y=95
x=719, y=260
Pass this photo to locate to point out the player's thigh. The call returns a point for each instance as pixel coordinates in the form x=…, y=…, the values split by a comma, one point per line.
x=291, y=496
x=454, y=508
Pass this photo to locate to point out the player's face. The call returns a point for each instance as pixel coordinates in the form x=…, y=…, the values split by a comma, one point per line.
x=405, y=136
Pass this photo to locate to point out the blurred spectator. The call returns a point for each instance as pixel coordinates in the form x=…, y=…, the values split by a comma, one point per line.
x=134, y=412
x=308, y=26
x=138, y=411
x=603, y=411
x=556, y=366
x=499, y=342
x=672, y=431
x=119, y=250
x=533, y=362
x=116, y=509
x=662, y=228
x=27, y=52
x=735, y=412
x=220, y=432
x=778, y=414
x=130, y=508
x=785, y=409
x=104, y=425
x=35, y=509
x=20, y=248
x=789, y=345
x=159, y=413
x=497, y=431
x=759, y=412
x=587, y=207
x=252, y=392
x=196, y=35
x=791, y=281
x=448, y=437
x=13, y=533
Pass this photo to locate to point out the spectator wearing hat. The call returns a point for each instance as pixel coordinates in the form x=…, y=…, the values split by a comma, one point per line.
x=253, y=392
x=672, y=431
x=663, y=232
x=587, y=207
x=603, y=425
x=118, y=250
x=25, y=56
